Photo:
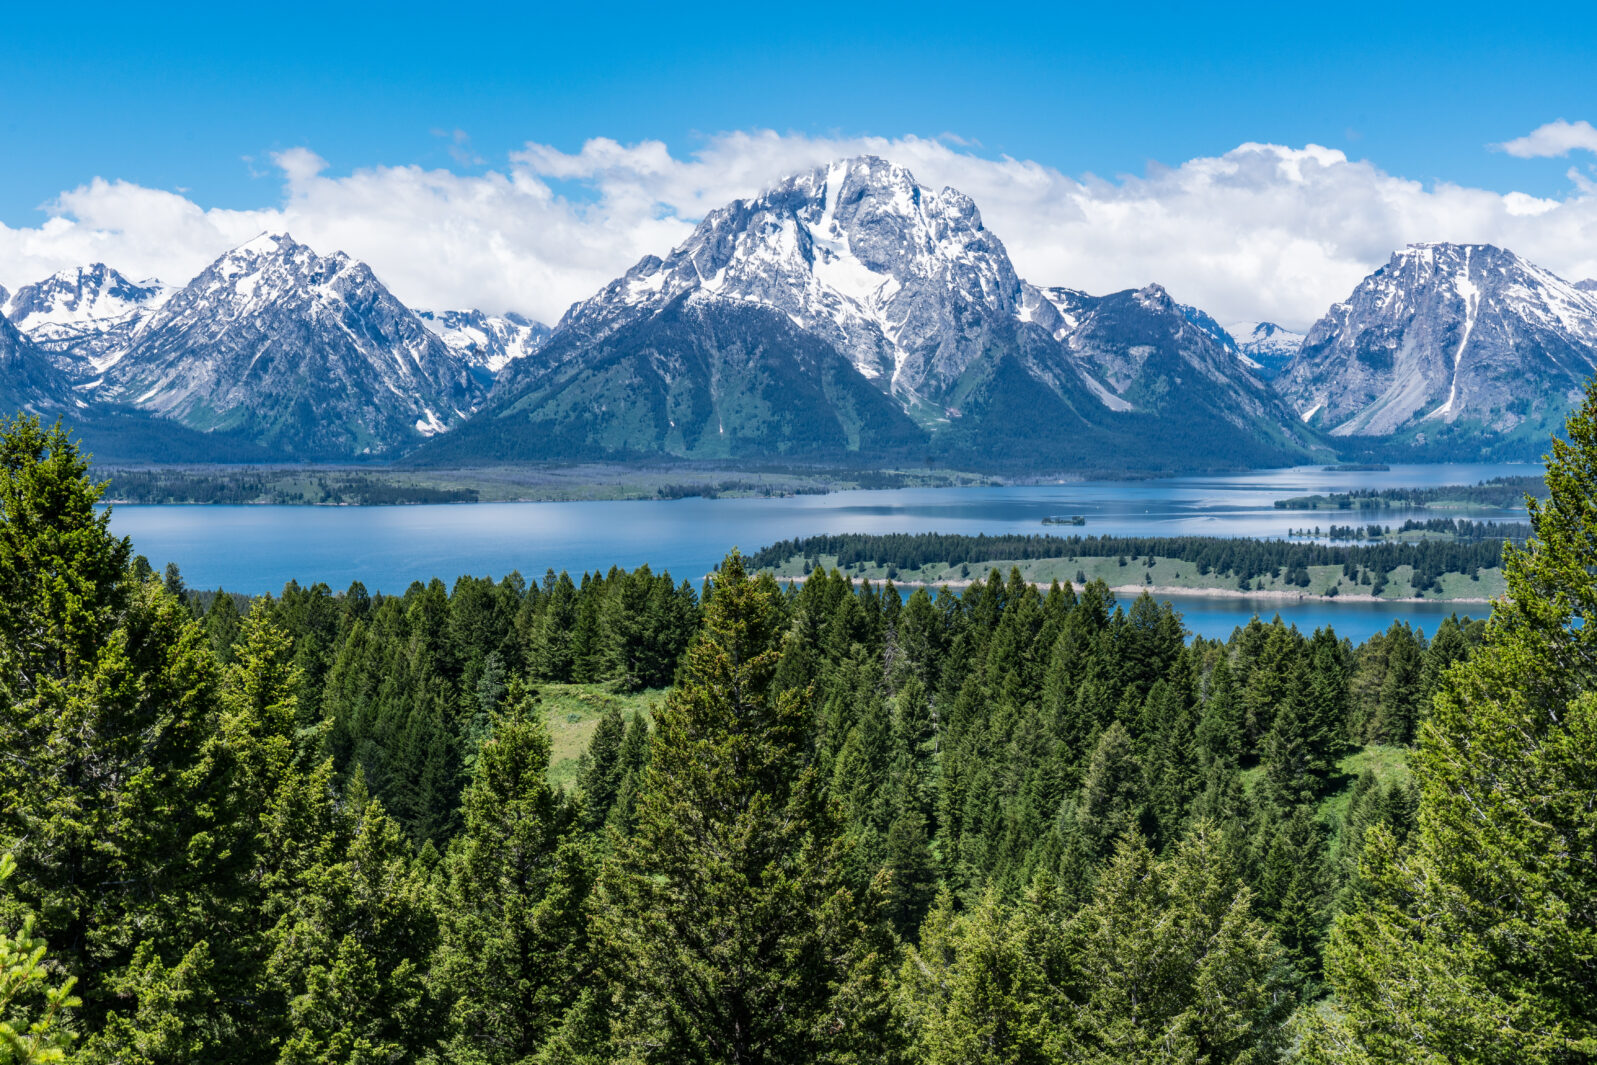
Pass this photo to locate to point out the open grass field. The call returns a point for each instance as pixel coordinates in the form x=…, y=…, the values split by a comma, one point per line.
x=572, y=713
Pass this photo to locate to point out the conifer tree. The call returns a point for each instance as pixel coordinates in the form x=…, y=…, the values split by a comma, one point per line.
x=730, y=933
x=1112, y=797
x=107, y=700
x=976, y=989
x=1169, y=963
x=1477, y=942
x=35, y=1007
x=512, y=955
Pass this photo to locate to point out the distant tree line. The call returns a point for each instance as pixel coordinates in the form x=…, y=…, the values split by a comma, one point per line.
x=286, y=487
x=1456, y=528
x=1508, y=492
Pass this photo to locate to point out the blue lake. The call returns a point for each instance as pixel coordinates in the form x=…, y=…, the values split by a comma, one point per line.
x=260, y=548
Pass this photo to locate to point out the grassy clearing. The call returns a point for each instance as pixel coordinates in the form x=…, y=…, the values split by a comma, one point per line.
x=572, y=713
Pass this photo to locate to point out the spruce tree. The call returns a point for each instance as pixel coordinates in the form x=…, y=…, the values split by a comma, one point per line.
x=35, y=1006
x=729, y=931
x=1478, y=941
x=513, y=942
x=107, y=702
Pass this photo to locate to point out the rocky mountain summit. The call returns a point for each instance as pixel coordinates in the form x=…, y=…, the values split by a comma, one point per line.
x=904, y=288
x=1448, y=342
x=1265, y=346
x=84, y=317
x=307, y=354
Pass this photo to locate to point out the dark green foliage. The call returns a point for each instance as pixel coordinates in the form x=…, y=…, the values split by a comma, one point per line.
x=1002, y=825
x=513, y=940
x=727, y=926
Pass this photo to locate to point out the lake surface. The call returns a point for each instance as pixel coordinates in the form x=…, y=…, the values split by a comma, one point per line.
x=260, y=548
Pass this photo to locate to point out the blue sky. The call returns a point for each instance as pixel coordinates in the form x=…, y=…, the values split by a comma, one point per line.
x=516, y=159
x=188, y=98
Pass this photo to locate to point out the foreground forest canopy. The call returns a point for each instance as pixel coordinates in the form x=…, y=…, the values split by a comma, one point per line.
x=1010, y=824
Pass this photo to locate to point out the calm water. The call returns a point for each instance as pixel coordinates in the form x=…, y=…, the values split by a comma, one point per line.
x=259, y=549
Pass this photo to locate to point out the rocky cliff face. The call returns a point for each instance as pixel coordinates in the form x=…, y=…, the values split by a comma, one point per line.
x=1461, y=340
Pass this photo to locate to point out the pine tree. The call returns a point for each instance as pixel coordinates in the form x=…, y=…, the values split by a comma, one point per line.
x=1477, y=942
x=976, y=988
x=1112, y=799
x=107, y=700
x=35, y=1008
x=513, y=943
x=599, y=780
x=1169, y=963
x=222, y=626
x=728, y=928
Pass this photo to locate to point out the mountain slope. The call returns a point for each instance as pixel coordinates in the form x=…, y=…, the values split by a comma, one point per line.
x=1464, y=345
x=84, y=317
x=695, y=380
x=28, y=381
x=1176, y=378
x=308, y=355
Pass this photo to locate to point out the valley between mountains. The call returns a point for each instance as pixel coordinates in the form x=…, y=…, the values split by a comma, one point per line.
x=847, y=317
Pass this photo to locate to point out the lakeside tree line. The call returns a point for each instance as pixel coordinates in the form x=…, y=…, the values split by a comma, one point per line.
x=1245, y=560
x=281, y=486
x=1004, y=825
x=1506, y=492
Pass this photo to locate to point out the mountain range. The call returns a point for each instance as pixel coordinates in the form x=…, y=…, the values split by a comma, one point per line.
x=846, y=315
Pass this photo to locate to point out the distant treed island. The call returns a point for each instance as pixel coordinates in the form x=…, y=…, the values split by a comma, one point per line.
x=625, y=819
x=1453, y=560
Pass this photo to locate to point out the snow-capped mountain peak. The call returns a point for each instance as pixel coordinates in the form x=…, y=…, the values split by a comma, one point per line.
x=1265, y=346
x=858, y=253
x=1443, y=334
x=84, y=316
x=307, y=352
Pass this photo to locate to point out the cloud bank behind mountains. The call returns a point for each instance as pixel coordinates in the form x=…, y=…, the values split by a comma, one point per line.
x=1263, y=231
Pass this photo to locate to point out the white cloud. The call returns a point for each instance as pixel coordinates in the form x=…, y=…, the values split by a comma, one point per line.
x=1553, y=138
x=1261, y=232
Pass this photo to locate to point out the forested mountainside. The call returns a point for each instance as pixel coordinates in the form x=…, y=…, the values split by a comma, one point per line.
x=1008, y=824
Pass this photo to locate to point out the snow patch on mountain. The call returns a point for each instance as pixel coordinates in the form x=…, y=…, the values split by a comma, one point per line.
x=485, y=342
x=84, y=317
x=1445, y=332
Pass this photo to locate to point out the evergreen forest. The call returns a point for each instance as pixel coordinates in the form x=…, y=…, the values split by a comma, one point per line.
x=1007, y=824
